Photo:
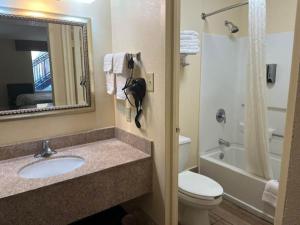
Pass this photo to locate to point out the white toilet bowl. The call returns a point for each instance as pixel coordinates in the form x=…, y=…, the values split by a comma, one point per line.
x=197, y=193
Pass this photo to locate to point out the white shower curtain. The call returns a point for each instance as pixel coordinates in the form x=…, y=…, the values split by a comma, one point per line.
x=256, y=127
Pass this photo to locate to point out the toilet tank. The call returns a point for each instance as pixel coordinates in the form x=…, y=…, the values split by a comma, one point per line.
x=184, y=150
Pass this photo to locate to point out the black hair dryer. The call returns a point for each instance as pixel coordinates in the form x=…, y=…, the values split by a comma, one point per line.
x=137, y=88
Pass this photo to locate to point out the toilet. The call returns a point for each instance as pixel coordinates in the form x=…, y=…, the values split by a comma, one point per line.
x=197, y=193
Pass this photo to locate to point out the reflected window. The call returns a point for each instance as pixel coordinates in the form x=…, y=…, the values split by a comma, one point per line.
x=41, y=71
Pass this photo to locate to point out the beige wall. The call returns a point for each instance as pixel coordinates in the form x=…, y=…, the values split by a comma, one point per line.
x=189, y=86
x=99, y=11
x=137, y=26
x=281, y=15
x=9, y=72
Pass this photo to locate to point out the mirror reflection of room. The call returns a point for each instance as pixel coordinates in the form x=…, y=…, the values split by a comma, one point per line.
x=50, y=65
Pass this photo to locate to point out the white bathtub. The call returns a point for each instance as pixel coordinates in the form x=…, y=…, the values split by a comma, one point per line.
x=240, y=186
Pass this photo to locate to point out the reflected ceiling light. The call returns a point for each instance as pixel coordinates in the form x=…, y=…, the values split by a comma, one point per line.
x=35, y=14
x=82, y=1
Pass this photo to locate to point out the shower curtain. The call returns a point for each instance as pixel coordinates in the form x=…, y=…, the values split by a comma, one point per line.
x=256, y=127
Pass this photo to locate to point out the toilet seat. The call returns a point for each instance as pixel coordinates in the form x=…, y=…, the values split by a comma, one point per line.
x=197, y=186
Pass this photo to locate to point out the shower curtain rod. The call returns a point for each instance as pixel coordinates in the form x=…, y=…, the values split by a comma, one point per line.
x=205, y=15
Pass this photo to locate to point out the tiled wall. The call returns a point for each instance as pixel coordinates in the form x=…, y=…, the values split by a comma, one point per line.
x=224, y=71
x=219, y=82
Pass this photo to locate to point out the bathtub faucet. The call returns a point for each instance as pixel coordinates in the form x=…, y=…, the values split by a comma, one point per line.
x=223, y=142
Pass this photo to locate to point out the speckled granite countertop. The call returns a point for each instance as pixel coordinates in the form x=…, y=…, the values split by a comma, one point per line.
x=99, y=156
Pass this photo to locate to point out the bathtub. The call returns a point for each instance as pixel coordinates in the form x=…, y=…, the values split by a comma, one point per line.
x=240, y=187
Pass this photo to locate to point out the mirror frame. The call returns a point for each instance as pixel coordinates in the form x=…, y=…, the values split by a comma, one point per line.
x=85, y=23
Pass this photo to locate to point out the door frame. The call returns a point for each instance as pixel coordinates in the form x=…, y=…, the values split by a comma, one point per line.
x=172, y=108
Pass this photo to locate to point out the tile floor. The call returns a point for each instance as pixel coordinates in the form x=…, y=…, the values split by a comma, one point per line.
x=226, y=214
x=230, y=214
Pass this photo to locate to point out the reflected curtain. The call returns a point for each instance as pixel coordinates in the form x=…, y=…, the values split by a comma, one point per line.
x=65, y=43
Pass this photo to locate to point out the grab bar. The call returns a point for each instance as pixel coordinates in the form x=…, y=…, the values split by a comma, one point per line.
x=278, y=135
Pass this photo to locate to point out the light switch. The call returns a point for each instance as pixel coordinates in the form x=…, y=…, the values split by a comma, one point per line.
x=150, y=82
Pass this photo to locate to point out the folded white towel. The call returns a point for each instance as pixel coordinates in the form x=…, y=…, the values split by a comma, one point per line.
x=189, y=42
x=110, y=77
x=189, y=32
x=110, y=83
x=189, y=45
x=122, y=73
x=188, y=37
x=270, y=193
x=120, y=83
x=272, y=186
x=192, y=51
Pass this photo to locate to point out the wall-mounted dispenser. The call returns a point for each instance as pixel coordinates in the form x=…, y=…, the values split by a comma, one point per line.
x=271, y=73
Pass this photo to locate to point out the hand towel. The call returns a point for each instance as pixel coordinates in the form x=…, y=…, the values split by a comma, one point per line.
x=121, y=71
x=108, y=63
x=110, y=77
x=270, y=193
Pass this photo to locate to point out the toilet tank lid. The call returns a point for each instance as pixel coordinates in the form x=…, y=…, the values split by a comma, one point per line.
x=184, y=140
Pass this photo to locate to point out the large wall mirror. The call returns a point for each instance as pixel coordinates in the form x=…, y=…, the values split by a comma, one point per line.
x=44, y=64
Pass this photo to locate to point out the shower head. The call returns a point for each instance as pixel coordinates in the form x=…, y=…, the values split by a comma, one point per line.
x=232, y=28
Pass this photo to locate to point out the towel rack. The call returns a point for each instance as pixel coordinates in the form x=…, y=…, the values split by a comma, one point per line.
x=278, y=135
x=183, y=61
x=137, y=56
x=183, y=56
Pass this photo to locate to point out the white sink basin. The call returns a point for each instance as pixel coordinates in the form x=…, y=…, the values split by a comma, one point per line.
x=51, y=167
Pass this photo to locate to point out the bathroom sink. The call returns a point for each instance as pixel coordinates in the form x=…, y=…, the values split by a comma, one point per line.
x=51, y=167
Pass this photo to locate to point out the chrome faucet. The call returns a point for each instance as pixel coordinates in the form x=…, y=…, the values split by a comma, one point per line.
x=222, y=142
x=46, y=151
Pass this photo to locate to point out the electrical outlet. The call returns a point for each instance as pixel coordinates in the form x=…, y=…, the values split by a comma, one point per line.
x=150, y=82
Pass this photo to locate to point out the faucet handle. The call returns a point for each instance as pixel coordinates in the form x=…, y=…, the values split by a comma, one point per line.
x=221, y=116
x=45, y=144
x=46, y=150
